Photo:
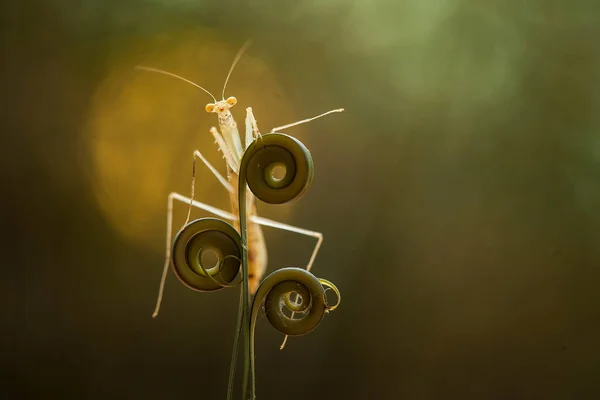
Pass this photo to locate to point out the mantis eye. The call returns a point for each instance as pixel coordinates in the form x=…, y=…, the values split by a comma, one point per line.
x=210, y=107
x=231, y=101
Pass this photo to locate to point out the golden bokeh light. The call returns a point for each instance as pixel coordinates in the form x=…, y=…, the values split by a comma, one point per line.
x=143, y=127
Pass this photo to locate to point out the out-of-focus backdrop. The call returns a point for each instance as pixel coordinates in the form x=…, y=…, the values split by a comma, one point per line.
x=458, y=195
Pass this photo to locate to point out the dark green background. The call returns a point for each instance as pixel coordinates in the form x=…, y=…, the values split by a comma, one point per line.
x=458, y=196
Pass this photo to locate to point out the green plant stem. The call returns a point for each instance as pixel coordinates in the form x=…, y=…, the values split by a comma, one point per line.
x=248, y=351
x=236, y=344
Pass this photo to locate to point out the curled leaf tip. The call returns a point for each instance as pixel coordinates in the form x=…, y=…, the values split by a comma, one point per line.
x=278, y=167
x=277, y=291
x=331, y=286
x=194, y=241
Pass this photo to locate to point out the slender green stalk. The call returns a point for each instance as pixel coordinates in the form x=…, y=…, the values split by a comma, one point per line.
x=255, y=173
x=236, y=344
x=248, y=353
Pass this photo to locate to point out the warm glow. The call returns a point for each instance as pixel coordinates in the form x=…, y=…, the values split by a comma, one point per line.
x=143, y=127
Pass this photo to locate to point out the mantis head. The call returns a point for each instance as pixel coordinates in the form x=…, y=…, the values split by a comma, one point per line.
x=220, y=106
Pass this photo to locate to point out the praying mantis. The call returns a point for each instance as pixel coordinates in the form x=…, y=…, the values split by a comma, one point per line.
x=229, y=142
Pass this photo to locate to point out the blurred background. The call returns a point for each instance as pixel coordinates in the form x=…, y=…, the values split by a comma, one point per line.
x=457, y=194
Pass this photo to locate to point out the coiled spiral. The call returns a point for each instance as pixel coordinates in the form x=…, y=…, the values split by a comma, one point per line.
x=189, y=255
x=277, y=289
x=273, y=153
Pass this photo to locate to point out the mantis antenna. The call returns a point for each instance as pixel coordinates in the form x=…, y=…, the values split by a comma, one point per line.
x=160, y=71
x=235, y=61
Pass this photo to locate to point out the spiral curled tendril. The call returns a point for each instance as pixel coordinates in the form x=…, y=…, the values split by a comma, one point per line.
x=191, y=243
x=276, y=290
x=310, y=306
x=273, y=152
